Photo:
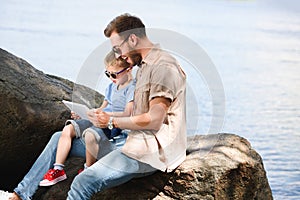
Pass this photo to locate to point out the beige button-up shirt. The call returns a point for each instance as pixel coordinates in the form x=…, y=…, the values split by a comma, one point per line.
x=160, y=76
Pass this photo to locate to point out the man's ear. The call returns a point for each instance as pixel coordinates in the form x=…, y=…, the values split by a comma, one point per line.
x=133, y=39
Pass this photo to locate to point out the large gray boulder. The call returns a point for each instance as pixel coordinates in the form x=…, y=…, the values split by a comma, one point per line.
x=30, y=112
x=218, y=167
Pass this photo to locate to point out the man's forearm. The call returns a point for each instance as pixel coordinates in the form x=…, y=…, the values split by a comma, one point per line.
x=151, y=120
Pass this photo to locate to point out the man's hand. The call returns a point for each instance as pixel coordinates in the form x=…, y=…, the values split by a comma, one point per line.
x=98, y=118
x=103, y=119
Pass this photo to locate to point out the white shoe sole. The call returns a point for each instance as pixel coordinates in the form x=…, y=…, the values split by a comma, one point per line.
x=46, y=182
x=5, y=195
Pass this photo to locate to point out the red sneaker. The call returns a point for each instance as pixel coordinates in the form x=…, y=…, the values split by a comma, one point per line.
x=53, y=176
x=80, y=170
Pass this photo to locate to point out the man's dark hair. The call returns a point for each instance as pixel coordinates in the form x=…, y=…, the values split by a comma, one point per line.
x=125, y=25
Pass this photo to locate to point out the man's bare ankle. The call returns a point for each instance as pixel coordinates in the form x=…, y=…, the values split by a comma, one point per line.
x=14, y=196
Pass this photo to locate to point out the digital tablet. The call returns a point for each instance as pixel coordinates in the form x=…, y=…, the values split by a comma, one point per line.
x=79, y=109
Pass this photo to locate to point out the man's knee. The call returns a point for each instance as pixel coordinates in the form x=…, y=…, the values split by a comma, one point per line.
x=55, y=136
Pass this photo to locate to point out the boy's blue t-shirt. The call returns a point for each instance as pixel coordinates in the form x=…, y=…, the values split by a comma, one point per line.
x=117, y=99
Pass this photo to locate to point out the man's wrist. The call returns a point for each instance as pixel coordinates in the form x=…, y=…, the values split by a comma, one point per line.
x=110, y=124
x=114, y=123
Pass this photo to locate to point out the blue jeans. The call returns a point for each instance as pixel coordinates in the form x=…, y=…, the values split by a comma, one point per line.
x=113, y=169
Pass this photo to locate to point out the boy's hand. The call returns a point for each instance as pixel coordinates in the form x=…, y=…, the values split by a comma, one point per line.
x=74, y=115
x=93, y=118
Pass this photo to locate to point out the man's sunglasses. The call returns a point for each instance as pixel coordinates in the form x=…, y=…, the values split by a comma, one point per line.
x=114, y=75
x=116, y=49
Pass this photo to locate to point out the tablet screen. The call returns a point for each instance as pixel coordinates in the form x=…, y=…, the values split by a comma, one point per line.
x=79, y=109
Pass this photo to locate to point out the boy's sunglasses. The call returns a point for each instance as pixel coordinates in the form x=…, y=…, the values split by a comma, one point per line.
x=114, y=74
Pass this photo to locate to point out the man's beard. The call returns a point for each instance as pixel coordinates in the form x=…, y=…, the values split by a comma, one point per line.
x=135, y=57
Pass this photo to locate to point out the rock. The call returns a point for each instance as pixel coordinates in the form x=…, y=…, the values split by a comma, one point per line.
x=31, y=111
x=218, y=167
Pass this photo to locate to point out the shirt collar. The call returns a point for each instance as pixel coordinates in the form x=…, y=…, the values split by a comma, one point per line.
x=151, y=55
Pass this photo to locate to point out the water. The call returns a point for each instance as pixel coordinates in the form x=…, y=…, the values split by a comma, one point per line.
x=255, y=46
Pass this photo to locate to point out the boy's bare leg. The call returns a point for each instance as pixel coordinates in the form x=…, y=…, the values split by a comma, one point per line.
x=64, y=144
x=92, y=148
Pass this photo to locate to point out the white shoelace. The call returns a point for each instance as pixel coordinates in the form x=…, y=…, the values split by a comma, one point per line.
x=4, y=195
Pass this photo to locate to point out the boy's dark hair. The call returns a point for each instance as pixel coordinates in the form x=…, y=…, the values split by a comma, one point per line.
x=125, y=25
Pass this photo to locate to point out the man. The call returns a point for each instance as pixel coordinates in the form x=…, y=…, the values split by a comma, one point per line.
x=158, y=135
x=157, y=140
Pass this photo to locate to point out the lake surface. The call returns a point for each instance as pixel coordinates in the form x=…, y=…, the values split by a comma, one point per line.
x=254, y=46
